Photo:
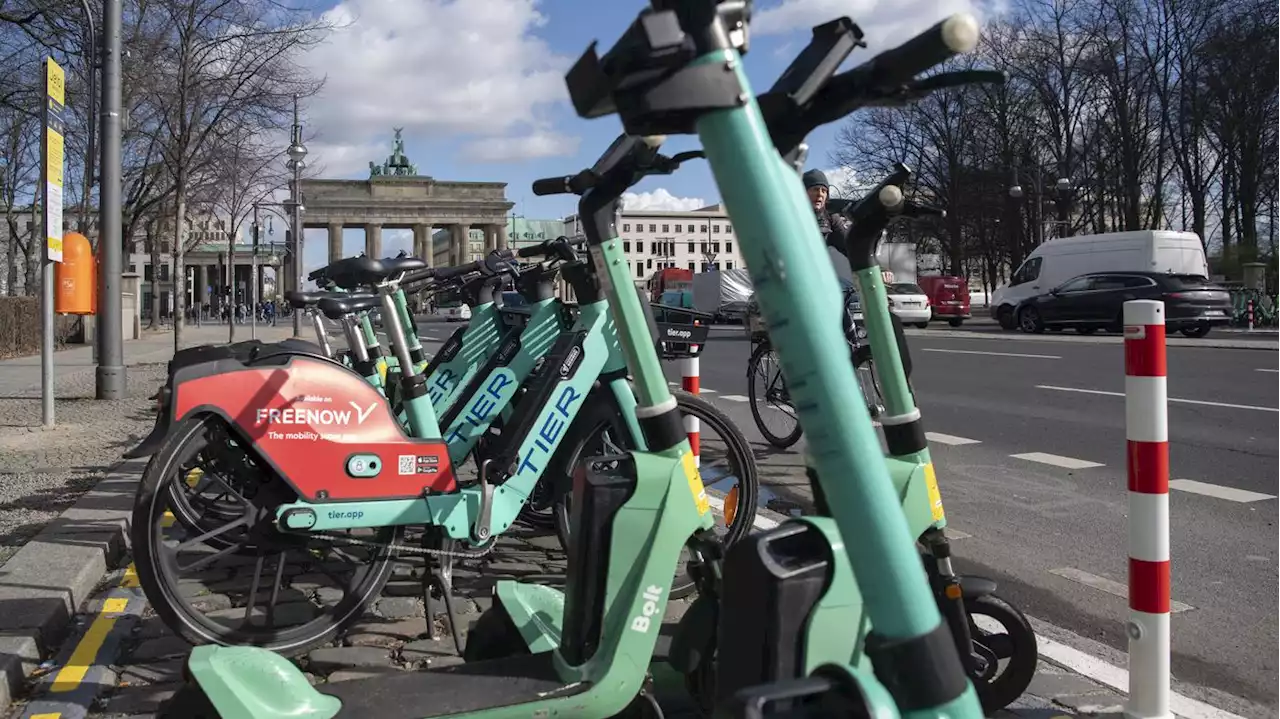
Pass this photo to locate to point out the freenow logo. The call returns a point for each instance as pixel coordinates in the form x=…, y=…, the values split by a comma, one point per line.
x=313, y=417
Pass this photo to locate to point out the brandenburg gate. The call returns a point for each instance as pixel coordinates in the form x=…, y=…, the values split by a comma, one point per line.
x=396, y=197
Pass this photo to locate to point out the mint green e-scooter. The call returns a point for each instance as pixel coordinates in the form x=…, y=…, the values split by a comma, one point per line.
x=599, y=659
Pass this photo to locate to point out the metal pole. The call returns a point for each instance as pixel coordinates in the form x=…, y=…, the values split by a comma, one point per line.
x=111, y=377
x=91, y=50
x=253, y=279
x=231, y=271
x=296, y=220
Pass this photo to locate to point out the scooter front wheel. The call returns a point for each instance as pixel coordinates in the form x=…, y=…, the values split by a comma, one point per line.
x=1006, y=644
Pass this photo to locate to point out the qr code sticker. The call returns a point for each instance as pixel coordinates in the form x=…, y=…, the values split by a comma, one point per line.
x=408, y=464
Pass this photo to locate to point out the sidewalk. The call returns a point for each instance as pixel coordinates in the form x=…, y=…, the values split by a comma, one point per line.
x=126, y=669
x=20, y=376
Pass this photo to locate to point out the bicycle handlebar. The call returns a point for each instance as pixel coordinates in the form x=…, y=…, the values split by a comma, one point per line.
x=560, y=248
x=637, y=156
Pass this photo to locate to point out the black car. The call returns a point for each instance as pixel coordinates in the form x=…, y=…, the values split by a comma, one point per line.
x=1193, y=304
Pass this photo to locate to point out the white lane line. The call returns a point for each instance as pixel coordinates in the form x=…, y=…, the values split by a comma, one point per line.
x=1057, y=460
x=957, y=534
x=1171, y=399
x=735, y=398
x=993, y=354
x=950, y=439
x=1109, y=586
x=704, y=390
x=1116, y=677
x=1231, y=494
x=1269, y=370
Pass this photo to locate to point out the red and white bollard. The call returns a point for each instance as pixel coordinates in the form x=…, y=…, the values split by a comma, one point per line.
x=1147, y=432
x=1250, y=315
x=689, y=382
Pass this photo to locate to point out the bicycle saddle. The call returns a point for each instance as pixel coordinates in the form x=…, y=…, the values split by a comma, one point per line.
x=354, y=272
x=302, y=300
x=338, y=307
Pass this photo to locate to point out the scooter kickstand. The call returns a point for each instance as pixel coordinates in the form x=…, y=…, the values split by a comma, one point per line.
x=442, y=570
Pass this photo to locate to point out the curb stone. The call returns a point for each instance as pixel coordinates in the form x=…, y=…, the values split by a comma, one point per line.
x=46, y=582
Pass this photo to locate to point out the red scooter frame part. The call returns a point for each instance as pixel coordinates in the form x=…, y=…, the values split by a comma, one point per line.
x=318, y=425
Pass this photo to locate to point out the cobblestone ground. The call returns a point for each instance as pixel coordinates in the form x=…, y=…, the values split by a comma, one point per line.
x=391, y=637
x=44, y=471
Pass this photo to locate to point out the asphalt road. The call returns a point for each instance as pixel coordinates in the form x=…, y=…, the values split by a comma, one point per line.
x=1055, y=533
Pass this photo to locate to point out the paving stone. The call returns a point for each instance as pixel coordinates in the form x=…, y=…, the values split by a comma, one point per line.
x=286, y=615
x=1055, y=684
x=345, y=675
x=423, y=650
x=378, y=632
x=161, y=648
x=511, y=567
x=399, y=607
x=332, y=659
x=408, y=588
x=166, y=671
x=329, y=595
x=152, y=627
x=141, y=699
x=210, y=602
x=1102, y=701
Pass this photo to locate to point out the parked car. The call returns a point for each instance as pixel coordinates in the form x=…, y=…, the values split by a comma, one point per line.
x=1054, y=262
x=456, y=311
x=909, y=303
x=1088, y=303
x=949, y=297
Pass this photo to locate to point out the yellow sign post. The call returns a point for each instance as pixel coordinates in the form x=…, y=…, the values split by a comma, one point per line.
x=55, y=88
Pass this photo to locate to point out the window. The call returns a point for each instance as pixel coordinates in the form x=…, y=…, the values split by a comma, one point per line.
x=649, y=264
x=1079, y=284
x=715, y=229
x=653, y=228
x=639, y=269
x=702, y=247
x=728, y=229
x=639, y=245
x=1191, y=282
x=1027, y=272
x=626, y=245
x=728, y=247
x=693, y=266
x=679, y=228
x=715, y=247
x=717, y=266
x=626, y=227
x=691, y=250
x=666, y=228
x=704, y=229
x=1107, y=282
x=728, y=265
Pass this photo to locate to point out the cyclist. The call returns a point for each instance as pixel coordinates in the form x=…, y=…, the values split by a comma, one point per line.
x=835, y=232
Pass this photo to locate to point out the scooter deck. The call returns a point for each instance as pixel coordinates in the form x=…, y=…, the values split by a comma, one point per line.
x=453, y=690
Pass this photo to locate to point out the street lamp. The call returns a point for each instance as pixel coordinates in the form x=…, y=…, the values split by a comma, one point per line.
x=296, y=152
x=1062, y=188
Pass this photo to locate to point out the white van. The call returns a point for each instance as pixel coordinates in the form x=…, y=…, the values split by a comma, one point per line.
x=1057, y=261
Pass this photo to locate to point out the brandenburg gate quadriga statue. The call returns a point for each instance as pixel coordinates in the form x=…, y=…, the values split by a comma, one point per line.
x=396, y=197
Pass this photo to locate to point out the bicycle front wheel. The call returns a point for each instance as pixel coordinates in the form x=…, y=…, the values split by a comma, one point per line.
x=771, y=406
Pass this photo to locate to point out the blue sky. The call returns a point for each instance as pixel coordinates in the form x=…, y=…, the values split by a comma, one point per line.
x=478, y=87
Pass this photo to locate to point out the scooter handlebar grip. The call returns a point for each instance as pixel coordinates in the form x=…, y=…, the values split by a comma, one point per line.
x=552, y=185
x=956, y=35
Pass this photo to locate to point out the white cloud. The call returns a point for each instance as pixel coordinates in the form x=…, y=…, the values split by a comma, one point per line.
x=886, y=23
x=660, y=199
x=535, y=145
x=848, y=182
x=438, y=68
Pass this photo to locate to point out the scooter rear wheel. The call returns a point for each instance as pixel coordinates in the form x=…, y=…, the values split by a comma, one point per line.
x=258, y=586
x=1012, y=647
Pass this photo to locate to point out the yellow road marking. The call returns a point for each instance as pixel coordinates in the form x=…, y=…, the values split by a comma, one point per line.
x=130, y=580
x=70, y=676
x=52, y=715
x=115, y=605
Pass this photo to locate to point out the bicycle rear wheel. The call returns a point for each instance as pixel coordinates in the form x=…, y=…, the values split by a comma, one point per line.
x=771, y=407
x=726, y=463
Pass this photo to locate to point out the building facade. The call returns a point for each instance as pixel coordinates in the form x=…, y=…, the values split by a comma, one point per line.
x=521, y=232
x=700, y=240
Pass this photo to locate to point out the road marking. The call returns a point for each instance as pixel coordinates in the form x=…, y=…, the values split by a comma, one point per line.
x=956, y=534
x=1269, y=370
x=994, y=354
x=1231, y=494
x=1057, y=460
x=70, y=676
x=950, y=439
x=1109, y=586
x=1171, y=399
x=704, y=390
x=735, y=398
